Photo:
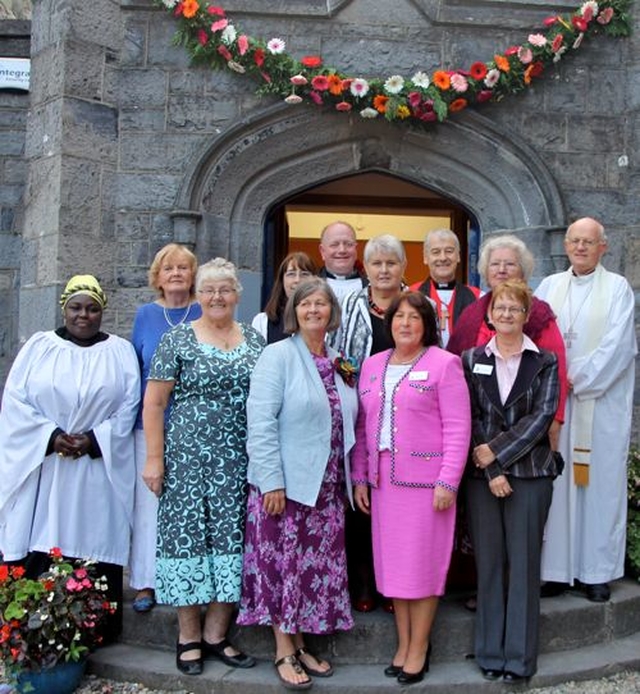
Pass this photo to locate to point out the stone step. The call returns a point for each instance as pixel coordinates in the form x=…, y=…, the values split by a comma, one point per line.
x=156, y=669
x=567, y=622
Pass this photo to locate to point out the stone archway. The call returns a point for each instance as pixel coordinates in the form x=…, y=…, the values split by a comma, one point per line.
x=229, y=188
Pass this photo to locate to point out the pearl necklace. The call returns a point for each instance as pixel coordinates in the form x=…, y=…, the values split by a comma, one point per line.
x=168, y=319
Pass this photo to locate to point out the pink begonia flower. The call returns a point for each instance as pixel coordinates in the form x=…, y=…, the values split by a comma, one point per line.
x=359, y=87
x=293, y=99
x=429, y=116
x=316, y=98
x=537, y=40
x=80, y=573
x=525, y=55
x=484, y=95
x=243, y=44
x=459, y=83
x=219, y=25
x=215, y=10
x=275, y=46
x=550, y=21
x=605, y=16
x=343, y=106
x=512, y=50
x=557, y=43
x=299, y=80
x=492, y=78
x=414, y=99
x=320, y=83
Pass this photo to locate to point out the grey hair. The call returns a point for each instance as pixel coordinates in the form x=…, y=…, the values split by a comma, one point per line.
x=216, y=270
x=440, y=234
x=385, y=243
x=493, y=243
x=301, y=292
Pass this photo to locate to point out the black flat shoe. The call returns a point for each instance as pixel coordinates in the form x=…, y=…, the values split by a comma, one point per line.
x=552, y=589
x=490, y=674
x=189, y=667
x=392, y=670
x=216, y=650
x=513, y=678
x=597, y=592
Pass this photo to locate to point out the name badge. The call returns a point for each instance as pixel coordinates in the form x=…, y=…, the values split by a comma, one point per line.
x=418, y=375
x=483, y=369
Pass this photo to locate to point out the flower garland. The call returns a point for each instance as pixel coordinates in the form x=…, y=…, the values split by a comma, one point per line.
x=211, y=39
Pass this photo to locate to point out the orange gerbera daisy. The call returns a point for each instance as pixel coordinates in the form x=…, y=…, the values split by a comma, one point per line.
x=189, y=8
x=502, y=63
x=441, y=79
x=457, y=105
x=335, y=84
x=380, y=103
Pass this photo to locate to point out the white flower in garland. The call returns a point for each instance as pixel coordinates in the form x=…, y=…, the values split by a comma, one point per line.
x=359, y=87
x=421, y=79
x=369, y=112
x=492, y=78
x=229, y=34
x=276, y=46
x=169, y=4
x=537, y=40
x=394, y=84
x=589, y=7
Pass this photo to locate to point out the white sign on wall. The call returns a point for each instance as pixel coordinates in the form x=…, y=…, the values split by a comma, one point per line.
x=14, y=73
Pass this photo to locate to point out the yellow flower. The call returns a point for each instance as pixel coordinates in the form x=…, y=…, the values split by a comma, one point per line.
x=403, y=112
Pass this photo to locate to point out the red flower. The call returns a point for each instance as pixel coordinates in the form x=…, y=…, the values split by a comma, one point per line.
x=315, y=97
x=258, y=57
x=343, y=106
x=177, y=11
x=203, y=37
x=550, y=21
x=557, y=43
x=4, y=572
x=414, y=99
x=17, y=571
x=484, y=95
x=605, y=16
x=224, y=52
x=311, y=61
x=587, y=13
x=55, y=552
x=243, y=44
x=457, y=105
x=478, y=71
x=512, y=50
x=579, y=23
x=320, y=83
x=215, y=10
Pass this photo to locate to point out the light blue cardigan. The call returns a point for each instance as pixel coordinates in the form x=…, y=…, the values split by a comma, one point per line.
x=289, y=420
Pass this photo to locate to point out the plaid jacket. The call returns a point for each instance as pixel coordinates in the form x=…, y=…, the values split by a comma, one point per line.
x=517, y=431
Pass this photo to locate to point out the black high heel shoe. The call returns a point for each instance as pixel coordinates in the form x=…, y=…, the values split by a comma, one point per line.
x=189, y=667
x=413, y=677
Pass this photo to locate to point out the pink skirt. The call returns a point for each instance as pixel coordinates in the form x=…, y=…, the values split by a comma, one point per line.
x=412, y=542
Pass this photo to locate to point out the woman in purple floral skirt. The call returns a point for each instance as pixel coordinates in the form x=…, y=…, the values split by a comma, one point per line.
x=301, y=413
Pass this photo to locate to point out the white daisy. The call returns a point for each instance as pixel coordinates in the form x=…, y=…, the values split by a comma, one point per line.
x=229, y=34
x=394, y=84
x=359, y=87
x=421, y=79
x=492, y=78
x=276, y=46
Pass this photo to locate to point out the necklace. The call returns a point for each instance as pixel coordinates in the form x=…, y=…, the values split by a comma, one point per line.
x=404, y=362
x=569, y=334
x=373, y=306
x=168, y=319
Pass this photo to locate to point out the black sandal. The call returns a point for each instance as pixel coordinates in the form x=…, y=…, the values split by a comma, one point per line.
x=217, y=651
x=189, y=667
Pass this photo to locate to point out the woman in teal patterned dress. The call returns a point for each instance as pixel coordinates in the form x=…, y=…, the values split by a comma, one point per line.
x=198, y=468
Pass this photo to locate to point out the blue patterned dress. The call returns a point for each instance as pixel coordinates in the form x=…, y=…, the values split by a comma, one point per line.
x=295, y=572
x=201, y=512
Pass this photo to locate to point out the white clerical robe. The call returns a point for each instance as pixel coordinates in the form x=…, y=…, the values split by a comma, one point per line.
x=586, y=529
x=84, y=506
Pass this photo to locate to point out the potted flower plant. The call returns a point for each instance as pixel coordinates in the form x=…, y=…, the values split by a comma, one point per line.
x=48, y=625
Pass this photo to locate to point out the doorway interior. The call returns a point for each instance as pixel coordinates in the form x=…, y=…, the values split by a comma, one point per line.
x=373, y=203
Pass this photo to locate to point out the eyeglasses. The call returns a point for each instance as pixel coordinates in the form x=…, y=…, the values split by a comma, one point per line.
x=588, y=243
x=334, y=245
x=509, y=310
x=506, y=264
x=294, y=274
x=224, y=292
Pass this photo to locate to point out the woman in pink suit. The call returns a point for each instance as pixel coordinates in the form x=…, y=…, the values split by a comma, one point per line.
x=412, y=441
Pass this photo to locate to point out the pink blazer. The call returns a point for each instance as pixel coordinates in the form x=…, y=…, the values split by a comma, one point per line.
x=431, y=426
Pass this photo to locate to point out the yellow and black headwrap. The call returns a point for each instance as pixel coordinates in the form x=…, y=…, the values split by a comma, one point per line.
x=83, y=284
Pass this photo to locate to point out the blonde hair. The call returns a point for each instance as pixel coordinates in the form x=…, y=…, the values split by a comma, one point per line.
x=161, y=256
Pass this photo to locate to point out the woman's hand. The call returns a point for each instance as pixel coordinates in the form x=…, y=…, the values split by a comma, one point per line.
x=361, y=497
x=554, y=435
x=274, y=502
x=500, y=486
x=483, y=456
x=70, y=445
x=443, y=498
x=153, y=474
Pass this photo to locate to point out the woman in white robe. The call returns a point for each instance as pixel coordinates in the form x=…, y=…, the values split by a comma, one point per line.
x=67, y=469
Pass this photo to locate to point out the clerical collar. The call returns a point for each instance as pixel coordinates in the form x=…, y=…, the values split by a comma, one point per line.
x=445, y=285
x=351, y=276
x=584, y=274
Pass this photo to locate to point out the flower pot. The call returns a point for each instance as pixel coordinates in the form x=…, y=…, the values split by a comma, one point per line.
x=63, y=678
